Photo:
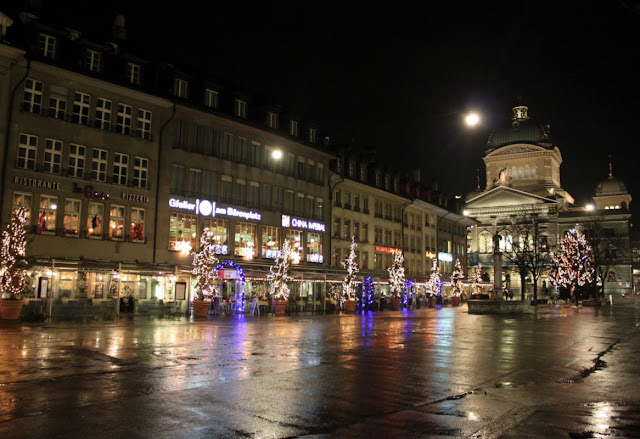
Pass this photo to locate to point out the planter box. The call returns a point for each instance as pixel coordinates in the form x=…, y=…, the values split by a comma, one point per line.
x=201, y=308
x=10, y=309
x=350, y=305
x=455, y=301
x=280, y=307
x=395, y=303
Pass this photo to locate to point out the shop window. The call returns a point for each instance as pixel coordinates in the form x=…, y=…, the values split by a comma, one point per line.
x=71, y=217
x=245, y=240
x=270, y=242
x=23, y=199
x=294, y=237
x=220, y=233
x=116, y=223
x=183, y=231
x=136, y=228
x=47, y=218
x=314, y=248
x=95, y=217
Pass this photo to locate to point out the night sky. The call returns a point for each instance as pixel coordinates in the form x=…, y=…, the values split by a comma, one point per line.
x=400, y=77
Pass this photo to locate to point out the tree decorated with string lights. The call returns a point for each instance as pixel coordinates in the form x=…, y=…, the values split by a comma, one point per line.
x=13, y=256
x=434, y=284
x=396, y=275
x=476, y=281
x=205, y=265
x=572, y=265
x=367, y=293
x=351, y=265
x=456, y=279
x=279, y=274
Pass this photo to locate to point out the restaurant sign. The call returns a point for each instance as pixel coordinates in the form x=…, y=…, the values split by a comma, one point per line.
x=209, y=208
x=289, y=221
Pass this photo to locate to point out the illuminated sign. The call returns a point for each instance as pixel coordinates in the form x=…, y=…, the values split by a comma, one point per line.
x=446, y=257
x=288, y=221
x=316, y=259
x=271, y=254
x=209, y=208
x=430, y=255
x=388, y=250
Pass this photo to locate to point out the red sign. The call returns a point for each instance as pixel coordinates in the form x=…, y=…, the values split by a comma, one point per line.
x=388, y=250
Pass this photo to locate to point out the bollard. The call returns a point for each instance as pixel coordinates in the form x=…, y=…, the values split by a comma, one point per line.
x=610, y=299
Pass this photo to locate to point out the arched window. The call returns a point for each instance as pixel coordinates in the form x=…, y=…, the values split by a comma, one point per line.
x=527, y=171
x=514, y=172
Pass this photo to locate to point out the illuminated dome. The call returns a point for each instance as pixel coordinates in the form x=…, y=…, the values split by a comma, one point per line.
x=522, y=129
x=611, y=186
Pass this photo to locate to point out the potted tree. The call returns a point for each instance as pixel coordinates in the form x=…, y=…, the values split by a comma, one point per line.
x=456, y=283
x=206, y=273
x=279, y=276
x=396, y=280
x=13, y=265
x=349, y=284
x=434, y=284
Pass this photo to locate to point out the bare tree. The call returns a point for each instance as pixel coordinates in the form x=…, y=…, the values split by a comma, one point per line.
x=529, y=248
x=608, y=248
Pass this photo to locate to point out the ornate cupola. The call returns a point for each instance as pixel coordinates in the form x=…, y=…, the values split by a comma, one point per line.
x=612, y=193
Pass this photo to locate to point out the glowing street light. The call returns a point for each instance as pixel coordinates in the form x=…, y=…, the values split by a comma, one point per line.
x=276, y=154
x=472, y=119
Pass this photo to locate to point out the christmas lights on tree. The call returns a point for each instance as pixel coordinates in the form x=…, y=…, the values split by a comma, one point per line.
x=13, y=260
x=350, y=264
x=205, y=265
x=408, y=291
x=456, y=279
x=477, y=279
x=396, y=275
x=572, y=265
x=434, y=284
x=279, y=274
x=367, y=294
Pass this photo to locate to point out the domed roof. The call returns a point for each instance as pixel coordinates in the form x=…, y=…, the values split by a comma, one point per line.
x=611, y=186
x=522, y=129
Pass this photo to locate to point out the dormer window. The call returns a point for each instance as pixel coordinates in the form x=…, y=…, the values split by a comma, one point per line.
x=363, y=173
x=294, y=128
x=240, y=108
x=133, y=73
x=47, y=46
x=387, y=182
x=378, y=179
x=211, y=98
x=312, y=135
x=352, y=169
x=92, y=60
x=181, y=88
x=272, y=120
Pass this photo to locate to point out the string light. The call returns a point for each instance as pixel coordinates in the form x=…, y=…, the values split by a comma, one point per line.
x=396, y=275
x=13, y=261
x=456, y=279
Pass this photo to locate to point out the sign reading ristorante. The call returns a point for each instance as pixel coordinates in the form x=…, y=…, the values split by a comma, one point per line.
x=209, y=208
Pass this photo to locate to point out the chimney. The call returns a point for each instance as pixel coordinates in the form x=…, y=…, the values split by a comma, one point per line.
x=119, y=30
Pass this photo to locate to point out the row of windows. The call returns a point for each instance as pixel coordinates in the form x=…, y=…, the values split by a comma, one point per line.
x=381, y=261
x=118, y=118
x=225, y=189
x=211, y=142
x=94, y=223
x=93, y=62
x=100, y=168
x=382, y=180
x=249, y=240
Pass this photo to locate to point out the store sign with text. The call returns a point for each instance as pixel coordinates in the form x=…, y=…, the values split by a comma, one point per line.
x=296, y=223
x=391, y=250
x=209, y=208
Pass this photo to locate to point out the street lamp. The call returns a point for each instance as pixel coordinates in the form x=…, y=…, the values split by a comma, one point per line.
x=276, y=154
x=472, y=119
